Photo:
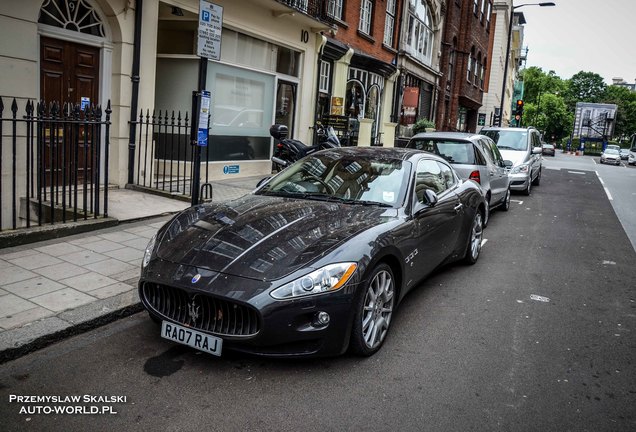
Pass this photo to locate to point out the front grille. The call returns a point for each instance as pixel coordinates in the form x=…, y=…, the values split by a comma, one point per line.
x=201, y=311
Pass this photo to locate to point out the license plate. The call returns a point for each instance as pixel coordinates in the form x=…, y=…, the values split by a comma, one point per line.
x=192, y=338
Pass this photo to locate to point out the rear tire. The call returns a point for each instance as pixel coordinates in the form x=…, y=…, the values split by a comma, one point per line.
x=473, y=249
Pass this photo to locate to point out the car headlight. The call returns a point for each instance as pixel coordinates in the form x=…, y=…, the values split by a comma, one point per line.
x=148, y=252
x=326, y=279
x=521, y=169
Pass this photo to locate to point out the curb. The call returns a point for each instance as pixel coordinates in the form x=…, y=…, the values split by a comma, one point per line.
x=18, y=342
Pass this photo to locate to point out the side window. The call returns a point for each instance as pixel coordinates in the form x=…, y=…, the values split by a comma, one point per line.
x=480, y=158
x=484, y=144
x=495, y=151
x=447, y=176
x=536, y=141
x=429, y=176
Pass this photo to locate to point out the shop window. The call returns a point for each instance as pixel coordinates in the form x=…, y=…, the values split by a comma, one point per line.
x=355, y=99
x=288, y=61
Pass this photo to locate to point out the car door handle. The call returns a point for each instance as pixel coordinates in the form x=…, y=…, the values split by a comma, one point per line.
x=458, y=207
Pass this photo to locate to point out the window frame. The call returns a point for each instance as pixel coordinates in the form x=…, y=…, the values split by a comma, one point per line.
x=366, y=17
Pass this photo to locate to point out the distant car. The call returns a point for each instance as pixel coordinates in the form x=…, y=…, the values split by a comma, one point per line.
x=316, y=260
x=474, y=157
x=631, y=159
x=611, y=156
x=523, y=147
x=624, y=154
x=547, y=149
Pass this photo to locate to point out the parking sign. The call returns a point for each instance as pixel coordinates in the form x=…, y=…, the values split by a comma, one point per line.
x=210, y=27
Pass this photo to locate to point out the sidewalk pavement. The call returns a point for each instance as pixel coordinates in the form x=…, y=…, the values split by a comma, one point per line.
x=56, y=288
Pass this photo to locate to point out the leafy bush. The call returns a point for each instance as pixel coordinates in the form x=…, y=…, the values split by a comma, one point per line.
x=422, y=124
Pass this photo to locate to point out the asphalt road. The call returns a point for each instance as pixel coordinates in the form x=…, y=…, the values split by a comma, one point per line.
x=537, y=336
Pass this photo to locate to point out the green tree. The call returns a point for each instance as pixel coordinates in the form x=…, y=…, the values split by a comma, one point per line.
x=584, y=87
x=625, y=101
x=536, y=82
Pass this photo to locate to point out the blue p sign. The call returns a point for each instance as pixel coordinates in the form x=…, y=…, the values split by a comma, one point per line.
x=205, y=16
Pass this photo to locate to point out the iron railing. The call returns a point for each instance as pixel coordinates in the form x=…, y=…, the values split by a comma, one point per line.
x=53, y=163
x=164, y=156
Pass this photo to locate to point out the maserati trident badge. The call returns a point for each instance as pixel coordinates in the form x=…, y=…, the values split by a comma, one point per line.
x=193, y=309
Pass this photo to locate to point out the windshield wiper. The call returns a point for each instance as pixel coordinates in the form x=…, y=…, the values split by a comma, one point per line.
x=369, y=203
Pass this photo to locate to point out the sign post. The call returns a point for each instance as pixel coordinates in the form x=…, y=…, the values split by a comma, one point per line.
x=208, y=48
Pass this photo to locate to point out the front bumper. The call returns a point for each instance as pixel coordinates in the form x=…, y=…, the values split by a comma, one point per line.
x=255, y=324
x=519, y=182
x=611, y=161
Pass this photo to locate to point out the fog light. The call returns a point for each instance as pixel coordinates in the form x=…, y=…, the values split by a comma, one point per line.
x=321, y=319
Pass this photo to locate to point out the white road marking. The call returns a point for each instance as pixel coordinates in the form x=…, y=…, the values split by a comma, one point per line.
x=576, y=172
x=483, y=242
x=607, y=192
x=539, y=298
x=517, y=201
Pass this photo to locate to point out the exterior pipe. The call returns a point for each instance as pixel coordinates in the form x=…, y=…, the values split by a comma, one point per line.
x=134, y=99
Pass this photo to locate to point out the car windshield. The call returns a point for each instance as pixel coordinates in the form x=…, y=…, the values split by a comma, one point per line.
x=611, y=151
x=454, y=151
x=509, y=140
x=333, y=176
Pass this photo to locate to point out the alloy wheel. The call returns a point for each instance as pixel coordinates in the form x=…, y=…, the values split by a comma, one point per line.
x=474, y=242
x=377, y=309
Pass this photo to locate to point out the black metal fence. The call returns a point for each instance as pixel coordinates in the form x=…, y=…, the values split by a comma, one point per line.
x=164, y=156
x=53, y=163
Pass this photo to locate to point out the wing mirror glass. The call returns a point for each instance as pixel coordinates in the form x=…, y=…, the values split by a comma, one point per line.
x=537, y=150
x=507, y=164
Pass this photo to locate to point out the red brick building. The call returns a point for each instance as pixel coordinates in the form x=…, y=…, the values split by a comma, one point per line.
x=465, y=55
x=358, y=68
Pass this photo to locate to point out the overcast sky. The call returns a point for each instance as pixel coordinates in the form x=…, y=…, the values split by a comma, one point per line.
x=590, y=35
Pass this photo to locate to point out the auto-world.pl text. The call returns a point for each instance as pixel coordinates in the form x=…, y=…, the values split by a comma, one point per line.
x=71, y=404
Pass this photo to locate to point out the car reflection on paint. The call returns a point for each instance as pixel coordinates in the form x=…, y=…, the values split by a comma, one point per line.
x=316, y=260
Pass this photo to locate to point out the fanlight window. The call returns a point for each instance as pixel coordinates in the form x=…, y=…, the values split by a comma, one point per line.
x=74, y=15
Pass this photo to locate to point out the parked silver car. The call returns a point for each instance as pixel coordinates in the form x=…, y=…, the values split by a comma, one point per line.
x=611, y=156
x=474, y=157
x=523, y=147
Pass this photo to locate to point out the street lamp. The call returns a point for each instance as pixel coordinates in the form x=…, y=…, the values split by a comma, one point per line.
x=505, y=76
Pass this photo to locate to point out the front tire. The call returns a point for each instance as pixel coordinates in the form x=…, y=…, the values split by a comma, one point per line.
x=474, y=240
x=505, y=206
x=537, y=181
x=528, y=189
x=373, y=312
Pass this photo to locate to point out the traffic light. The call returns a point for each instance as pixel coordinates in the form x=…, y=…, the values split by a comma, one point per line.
x=519, y=110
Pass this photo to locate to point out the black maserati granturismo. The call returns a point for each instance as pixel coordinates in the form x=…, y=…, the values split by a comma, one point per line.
x=316, y=260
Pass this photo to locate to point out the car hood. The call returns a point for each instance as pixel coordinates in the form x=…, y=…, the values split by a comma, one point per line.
x=264, y=237
x=517, y=157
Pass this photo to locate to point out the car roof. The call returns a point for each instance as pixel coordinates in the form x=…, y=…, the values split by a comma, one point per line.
x=466, y=136
x=496, y=128
x=379, y=152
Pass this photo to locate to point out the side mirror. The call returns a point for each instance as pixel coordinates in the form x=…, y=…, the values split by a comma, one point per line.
x=507, y=163
x=430, y=197
x=537, y=150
